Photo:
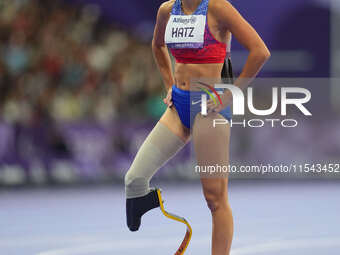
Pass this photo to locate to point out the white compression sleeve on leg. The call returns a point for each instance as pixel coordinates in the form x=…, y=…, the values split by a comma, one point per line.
x=160, y=146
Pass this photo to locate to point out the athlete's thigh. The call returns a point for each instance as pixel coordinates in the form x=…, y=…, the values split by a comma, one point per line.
x=171, y=119
x=211, y=145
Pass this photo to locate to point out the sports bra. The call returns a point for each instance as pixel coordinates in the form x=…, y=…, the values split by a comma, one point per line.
x=189, y=39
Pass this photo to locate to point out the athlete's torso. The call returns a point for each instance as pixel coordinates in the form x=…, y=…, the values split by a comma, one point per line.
x=197, y=42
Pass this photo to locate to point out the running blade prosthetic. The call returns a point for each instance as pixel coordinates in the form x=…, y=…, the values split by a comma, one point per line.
x=171, y=216
x=137, y=207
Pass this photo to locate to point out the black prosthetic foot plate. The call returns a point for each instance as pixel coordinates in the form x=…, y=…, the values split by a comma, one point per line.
x=137, y=207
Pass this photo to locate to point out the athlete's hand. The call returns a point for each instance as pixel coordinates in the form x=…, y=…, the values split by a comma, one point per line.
x=168, y=99
x=212, y=107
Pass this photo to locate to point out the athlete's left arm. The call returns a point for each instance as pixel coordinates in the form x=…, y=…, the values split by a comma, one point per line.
x=230, y=19
x=245, y=34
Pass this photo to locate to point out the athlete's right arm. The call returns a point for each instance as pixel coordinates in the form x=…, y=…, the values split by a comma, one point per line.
x=159, y=48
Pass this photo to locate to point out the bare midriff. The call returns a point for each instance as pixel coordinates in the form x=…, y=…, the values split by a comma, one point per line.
x=185, y=74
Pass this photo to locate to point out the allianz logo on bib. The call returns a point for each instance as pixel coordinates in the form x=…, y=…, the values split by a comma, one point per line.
x=191, y=20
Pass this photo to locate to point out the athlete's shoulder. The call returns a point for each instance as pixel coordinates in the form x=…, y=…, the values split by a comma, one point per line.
x=166, y=7
x=218, y=5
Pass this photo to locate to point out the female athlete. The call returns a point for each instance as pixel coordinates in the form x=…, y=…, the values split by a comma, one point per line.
x=198, y=35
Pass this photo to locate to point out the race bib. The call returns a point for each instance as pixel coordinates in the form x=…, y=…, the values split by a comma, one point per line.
x=185, y=31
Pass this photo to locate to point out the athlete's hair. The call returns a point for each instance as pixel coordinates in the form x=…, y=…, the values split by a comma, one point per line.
x=227, y=71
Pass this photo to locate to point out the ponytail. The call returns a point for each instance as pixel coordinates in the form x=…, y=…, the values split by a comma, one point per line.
x=227, y=71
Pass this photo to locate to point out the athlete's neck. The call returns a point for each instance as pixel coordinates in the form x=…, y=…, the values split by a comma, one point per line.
x=190, y=5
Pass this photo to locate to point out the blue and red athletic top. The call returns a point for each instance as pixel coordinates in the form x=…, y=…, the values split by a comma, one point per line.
x=211, y=50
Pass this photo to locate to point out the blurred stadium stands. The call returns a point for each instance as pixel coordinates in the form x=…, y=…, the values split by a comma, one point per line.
x=79, y=90
x=61, y=67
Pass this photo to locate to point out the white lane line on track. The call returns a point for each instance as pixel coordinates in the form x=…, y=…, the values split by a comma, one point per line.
x=272, y=246
x=112, y=246
x=283, y=245
x=50, y=240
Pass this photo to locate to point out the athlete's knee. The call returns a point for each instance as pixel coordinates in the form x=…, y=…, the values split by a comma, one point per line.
x=135, y=186
x=215, y=199
x=131, y=180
